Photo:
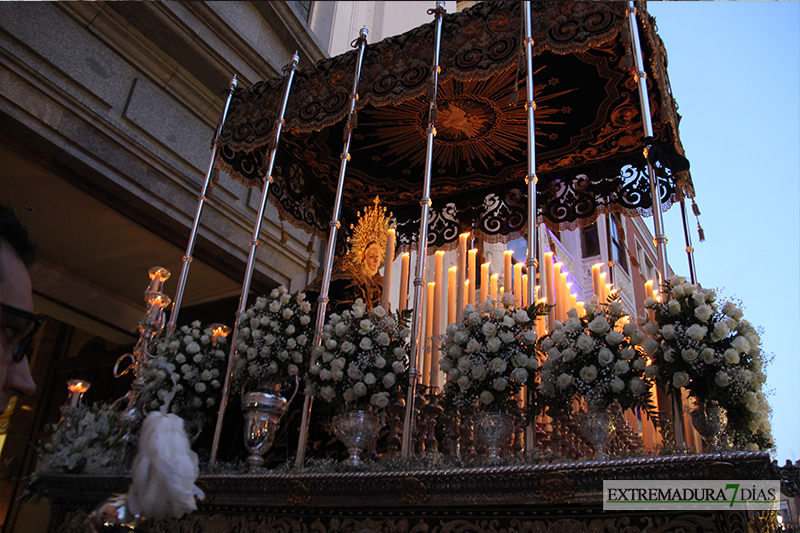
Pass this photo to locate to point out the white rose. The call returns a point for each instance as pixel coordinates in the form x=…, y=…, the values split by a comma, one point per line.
x=508, y=321
x=508, y=299
x=488, y=329
x=499, y=313
x=605, y=357
x=331, y=344
x=340, y=329
x=650, y=371
x=704, y=312
x=651, y=328
x=348, y=347
x=599, y=325
x=668, y=332
x=460, y=337
x=650, y=346
x=384, y=339
x=453, y=374
x=637, y=386
x=486, y=397
x=473, y=346
x=521, y=360
x=497, y=365
x=192, y=347
x=397, y=367
x=289, y=329
x=621, y=366
x=680, y=379
x=674, y=307
x=292, y=370
x=731, y=356
x=365, y=344
x=464, y=382
x=588, y=373
x=708, y=355
x=722, y=379
x=478, y=372
x=389, y=380
x=500, y=384
x=585, y=343
x=689, y=355
x=304, y=320
x=365, y=326
x=614, y=337
x=640, y=363
x=349, y=395
x=180, y=359
x=360, y=389
x=533, y=363
x=573, y=323
x=399, y=352
x=520, y=316
x=327, y=393
x=617, y=385
x=506, y=336
x=380, y=400
x=520, y=375
x=564, y=381
x=379, y=311
x=696, y=332
x=732, y=311
x=494, y=344
x=568, y=355
x=380, y=362
x=274, y=306
x=464, y=364
x=337, y=375
x=353, y=372
x=741, y=344
x=669, y=355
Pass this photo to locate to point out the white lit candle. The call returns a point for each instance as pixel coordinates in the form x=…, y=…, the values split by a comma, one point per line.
x=437, y=316
x=484, y=282
x=471, y=261
x=525, y=290
x=387, y=269
x=518, y=283
x=596, y=286
x=549, y=288
x=451, y=294
x=602, y=287
x=462, y=272
x=507, y=279
x=405, y=259
x=426, y=367
x=559, y=296
x=493, y=286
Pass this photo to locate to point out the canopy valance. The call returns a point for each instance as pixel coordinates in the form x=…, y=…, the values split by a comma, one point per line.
x=589, y=134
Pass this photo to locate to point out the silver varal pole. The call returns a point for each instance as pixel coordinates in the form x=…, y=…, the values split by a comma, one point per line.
x=289, y=70
x=658, y=222
x=531, y=180
x=688, y=236
x=360, y=43
x=187, y=258
x=417, y=343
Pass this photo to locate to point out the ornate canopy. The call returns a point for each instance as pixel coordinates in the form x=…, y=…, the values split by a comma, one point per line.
x=588, y=126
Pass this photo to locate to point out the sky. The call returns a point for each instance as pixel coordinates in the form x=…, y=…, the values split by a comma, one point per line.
x=734, y=68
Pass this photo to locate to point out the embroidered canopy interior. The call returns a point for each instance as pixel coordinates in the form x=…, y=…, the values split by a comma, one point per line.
x=588, y=126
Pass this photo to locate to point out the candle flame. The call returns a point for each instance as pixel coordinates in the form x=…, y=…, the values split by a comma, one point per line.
x=78, y=385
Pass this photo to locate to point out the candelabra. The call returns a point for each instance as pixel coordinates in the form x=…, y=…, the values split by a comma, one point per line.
x=149, y=328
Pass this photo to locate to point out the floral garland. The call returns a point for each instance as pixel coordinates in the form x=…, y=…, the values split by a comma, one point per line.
x=193, y=363
x=593, y=357
x=274, y=343
x=490, y=355
x=85, y=440
x=712, y=352
x=362, y=360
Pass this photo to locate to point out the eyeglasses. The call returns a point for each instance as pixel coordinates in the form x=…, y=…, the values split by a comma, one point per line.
x=18, y=328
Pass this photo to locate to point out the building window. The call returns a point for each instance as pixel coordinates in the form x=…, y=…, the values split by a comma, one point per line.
x=302, y=9
x=590, y=241
x=618, y=250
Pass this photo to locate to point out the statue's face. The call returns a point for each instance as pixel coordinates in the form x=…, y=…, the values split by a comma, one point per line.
x=372, y=259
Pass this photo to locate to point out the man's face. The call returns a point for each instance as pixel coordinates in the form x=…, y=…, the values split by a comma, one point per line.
x=15, y=291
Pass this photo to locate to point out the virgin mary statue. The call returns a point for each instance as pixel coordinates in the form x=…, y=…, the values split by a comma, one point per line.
x=355, y=275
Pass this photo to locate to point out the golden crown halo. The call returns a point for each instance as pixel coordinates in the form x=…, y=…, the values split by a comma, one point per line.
x=371, y=228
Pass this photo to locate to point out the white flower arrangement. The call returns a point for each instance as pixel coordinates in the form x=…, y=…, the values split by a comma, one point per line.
x=594, y=358
x=85, y=440
x=712, y=352
x=362, y=360
x=192, y=363
x=274, y=341
x=490, y=355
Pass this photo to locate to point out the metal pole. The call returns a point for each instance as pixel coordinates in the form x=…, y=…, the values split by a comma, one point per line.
x=289, y=70
x=187, y=258
x=641, y=78
x=660, y=238
x=422, y=243
x=688, y=236
x=361, y=43
x=531, y=180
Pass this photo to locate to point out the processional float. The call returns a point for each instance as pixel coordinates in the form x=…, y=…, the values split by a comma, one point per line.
x=584, y=141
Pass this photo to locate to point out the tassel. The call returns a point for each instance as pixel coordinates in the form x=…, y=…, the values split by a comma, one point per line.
x=695, y=208
x=701, y=233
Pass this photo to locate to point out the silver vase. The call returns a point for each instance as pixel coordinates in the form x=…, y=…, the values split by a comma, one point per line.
x=493, y=431
x=598, y=428
x=356, y=430
x=262, y=415
x=710, y=420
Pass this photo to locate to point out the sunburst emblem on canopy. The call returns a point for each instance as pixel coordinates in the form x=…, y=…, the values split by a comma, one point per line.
x=476, y=123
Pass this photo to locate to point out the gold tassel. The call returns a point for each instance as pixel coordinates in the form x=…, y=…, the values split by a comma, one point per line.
x=284, y=235
x=695, y=208
x=701, y=233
